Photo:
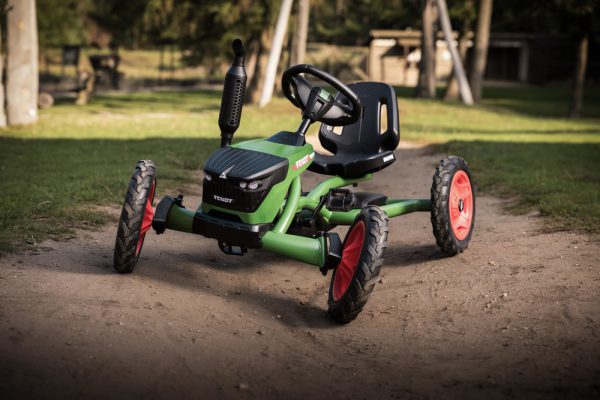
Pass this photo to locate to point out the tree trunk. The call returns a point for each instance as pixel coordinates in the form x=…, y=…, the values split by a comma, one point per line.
x=256, y=81
x=275, y=53
x=426, y=86
x=301, y=33
x=22, y=68
x=2, y=112
x=86, y=87
x=482, y=40
x=579, y=78
x=459, y=71
x=252, y=50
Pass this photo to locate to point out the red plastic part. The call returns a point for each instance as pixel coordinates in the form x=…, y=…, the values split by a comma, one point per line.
x=461, y=205
x=146, y=220
x=344, y=272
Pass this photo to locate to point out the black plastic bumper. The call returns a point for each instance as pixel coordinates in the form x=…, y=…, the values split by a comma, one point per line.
x=230, y=232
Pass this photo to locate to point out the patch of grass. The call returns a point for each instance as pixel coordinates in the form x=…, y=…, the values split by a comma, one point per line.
x=558, y=179
x=162, y=114
x=53, y=173
x=549, y=101
x=49, y=186
x=508, y=115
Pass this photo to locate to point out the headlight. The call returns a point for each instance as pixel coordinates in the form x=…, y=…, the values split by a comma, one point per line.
x=207, y=178
x=251, y=185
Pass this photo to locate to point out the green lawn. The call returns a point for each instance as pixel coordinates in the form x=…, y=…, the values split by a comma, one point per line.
x=54, y=174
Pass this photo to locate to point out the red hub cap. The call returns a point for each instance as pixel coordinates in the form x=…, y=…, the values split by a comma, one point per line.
x=461, y=205
x=146, y=220
x=347, y=266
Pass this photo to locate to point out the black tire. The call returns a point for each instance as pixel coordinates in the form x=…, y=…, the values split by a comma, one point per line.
x=350, y=302
x=141, y=190
x=445, y=227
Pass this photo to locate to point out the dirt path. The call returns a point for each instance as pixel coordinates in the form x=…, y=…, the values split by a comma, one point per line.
x=516, y=315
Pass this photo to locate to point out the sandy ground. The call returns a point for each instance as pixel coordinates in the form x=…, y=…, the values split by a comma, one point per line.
x=516, y=315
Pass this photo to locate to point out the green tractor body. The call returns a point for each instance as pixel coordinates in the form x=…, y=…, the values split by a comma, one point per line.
x=252, y=193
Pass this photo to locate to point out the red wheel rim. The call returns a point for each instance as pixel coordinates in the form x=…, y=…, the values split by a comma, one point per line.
x=146, y=220
x=344, y=273
x=461, y=205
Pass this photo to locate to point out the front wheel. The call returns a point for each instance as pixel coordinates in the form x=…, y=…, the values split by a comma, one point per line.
x=355, y=276
x=136, y=216
x=452, y=205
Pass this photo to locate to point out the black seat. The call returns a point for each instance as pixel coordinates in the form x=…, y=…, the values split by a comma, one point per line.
x=362, y=148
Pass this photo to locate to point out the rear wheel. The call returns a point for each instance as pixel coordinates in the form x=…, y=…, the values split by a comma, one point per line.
x=136, y=216
x=355, y=276
x=453, y=205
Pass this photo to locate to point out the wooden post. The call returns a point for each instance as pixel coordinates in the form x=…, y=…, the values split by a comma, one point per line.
x=459, y=71
x=22, y=81
x=275, y=53
x=452, y=87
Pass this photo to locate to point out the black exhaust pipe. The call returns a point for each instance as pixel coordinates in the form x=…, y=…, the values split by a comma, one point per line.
x=234, y=89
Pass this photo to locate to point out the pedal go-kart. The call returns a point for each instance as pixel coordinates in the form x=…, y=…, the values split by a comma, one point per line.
x=252, y=195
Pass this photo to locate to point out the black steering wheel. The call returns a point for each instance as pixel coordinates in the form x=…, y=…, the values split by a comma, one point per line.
x=316, y=104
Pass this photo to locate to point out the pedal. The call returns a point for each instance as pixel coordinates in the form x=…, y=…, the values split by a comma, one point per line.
x=340, y=200
x=232, y=250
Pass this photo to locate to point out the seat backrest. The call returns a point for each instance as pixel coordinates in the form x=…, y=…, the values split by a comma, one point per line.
x=365, y=136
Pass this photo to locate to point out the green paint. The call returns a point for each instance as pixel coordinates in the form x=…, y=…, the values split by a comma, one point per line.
x=180, y=219
x=308, y=250
x=291, y=206
x=393, y=208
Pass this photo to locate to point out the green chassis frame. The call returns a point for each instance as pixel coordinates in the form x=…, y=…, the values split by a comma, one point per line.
x=309, y=250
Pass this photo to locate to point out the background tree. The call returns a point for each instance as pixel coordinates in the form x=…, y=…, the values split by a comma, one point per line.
x=348, y=22
x=426, y=85
x=482, y=40
x=300, y=33
x=579, y=77
x=22, y=63
x=2, y=112
x=158, y=22
x=122, y=19
x=580, y=12
x=61, y=22
x=275, y=53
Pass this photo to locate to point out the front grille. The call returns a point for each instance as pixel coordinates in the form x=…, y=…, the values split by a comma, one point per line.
x=227, y=194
